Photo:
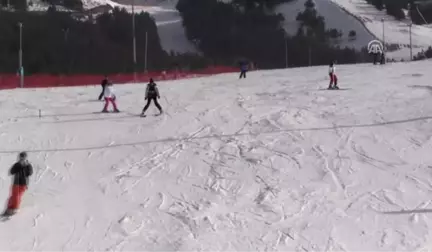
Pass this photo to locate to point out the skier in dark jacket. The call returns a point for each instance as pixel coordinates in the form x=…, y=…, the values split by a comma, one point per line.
x=152, y=93
x=103, y=84
x=244, y=67
x=21, y=171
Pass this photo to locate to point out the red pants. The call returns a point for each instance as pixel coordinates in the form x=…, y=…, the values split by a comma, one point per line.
x=16, y=196
x=107, y=101
x=333, y=79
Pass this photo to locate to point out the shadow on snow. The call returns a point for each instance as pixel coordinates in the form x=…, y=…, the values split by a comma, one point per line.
x=408, y=211
x=428, y=88
x=52, y=115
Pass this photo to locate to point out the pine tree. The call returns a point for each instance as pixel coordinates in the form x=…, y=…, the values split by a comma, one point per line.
x=19, y=4
x=73, y=4
x=352, y=35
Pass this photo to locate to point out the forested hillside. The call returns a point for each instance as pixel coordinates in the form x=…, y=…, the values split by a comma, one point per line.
x=54, y=42
x=225, y=33
x=228, y=32
x=24, y=4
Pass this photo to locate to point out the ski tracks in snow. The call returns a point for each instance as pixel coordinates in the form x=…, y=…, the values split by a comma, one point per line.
x=327, y=166
x=313, y=184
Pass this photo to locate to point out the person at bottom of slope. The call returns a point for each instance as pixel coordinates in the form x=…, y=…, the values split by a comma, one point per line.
x=333, y=77
x=104, y=83
x=109, y=98
x=21, y=171
x=152, y=93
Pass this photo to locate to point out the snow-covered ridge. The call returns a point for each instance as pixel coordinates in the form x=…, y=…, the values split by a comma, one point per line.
x=335, y=18
x=365, y=19
x=395, y=32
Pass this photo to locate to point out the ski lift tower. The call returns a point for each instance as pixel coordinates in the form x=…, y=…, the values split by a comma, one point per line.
x=421, y=3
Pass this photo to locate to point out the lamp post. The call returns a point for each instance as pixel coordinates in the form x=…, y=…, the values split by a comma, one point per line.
x=134, y=40
x=146, y=52
x=383, y=31
x=383, y=38
x=310, y=55
x=20, y=56
x=410, y=38
x=66, y=47
x=286, y=51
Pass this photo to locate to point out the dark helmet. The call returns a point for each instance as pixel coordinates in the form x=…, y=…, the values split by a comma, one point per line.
x=22, y=155
x=151, y=80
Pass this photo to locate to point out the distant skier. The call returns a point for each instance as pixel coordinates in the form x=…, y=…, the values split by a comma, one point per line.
x=103, y=84
x=244, y=66
x=21, y=171
x=152, y=93
x=109, y=98
x=333, y=77
x=383, y=59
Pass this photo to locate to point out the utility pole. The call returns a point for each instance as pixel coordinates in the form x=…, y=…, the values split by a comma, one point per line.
x=20, y=56
x=310, y=56
x=286, y=51
x=134, y=40
x=410, y=36
x=146, y=53
x=66, y=44
x=384, y=42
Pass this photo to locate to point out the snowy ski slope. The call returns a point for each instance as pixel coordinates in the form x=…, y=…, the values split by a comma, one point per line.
x=273, y=162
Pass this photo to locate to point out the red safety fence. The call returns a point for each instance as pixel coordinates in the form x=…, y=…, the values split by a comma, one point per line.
x=10, y=81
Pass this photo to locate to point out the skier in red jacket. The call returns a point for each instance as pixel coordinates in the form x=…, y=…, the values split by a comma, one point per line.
x=21, y=171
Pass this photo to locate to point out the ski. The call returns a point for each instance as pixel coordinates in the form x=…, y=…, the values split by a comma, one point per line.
x=153, y=115
x=340, y=89
x=106, y=112
x=5, y=217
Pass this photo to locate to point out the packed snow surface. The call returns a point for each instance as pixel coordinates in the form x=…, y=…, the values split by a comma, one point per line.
x=273, y=162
